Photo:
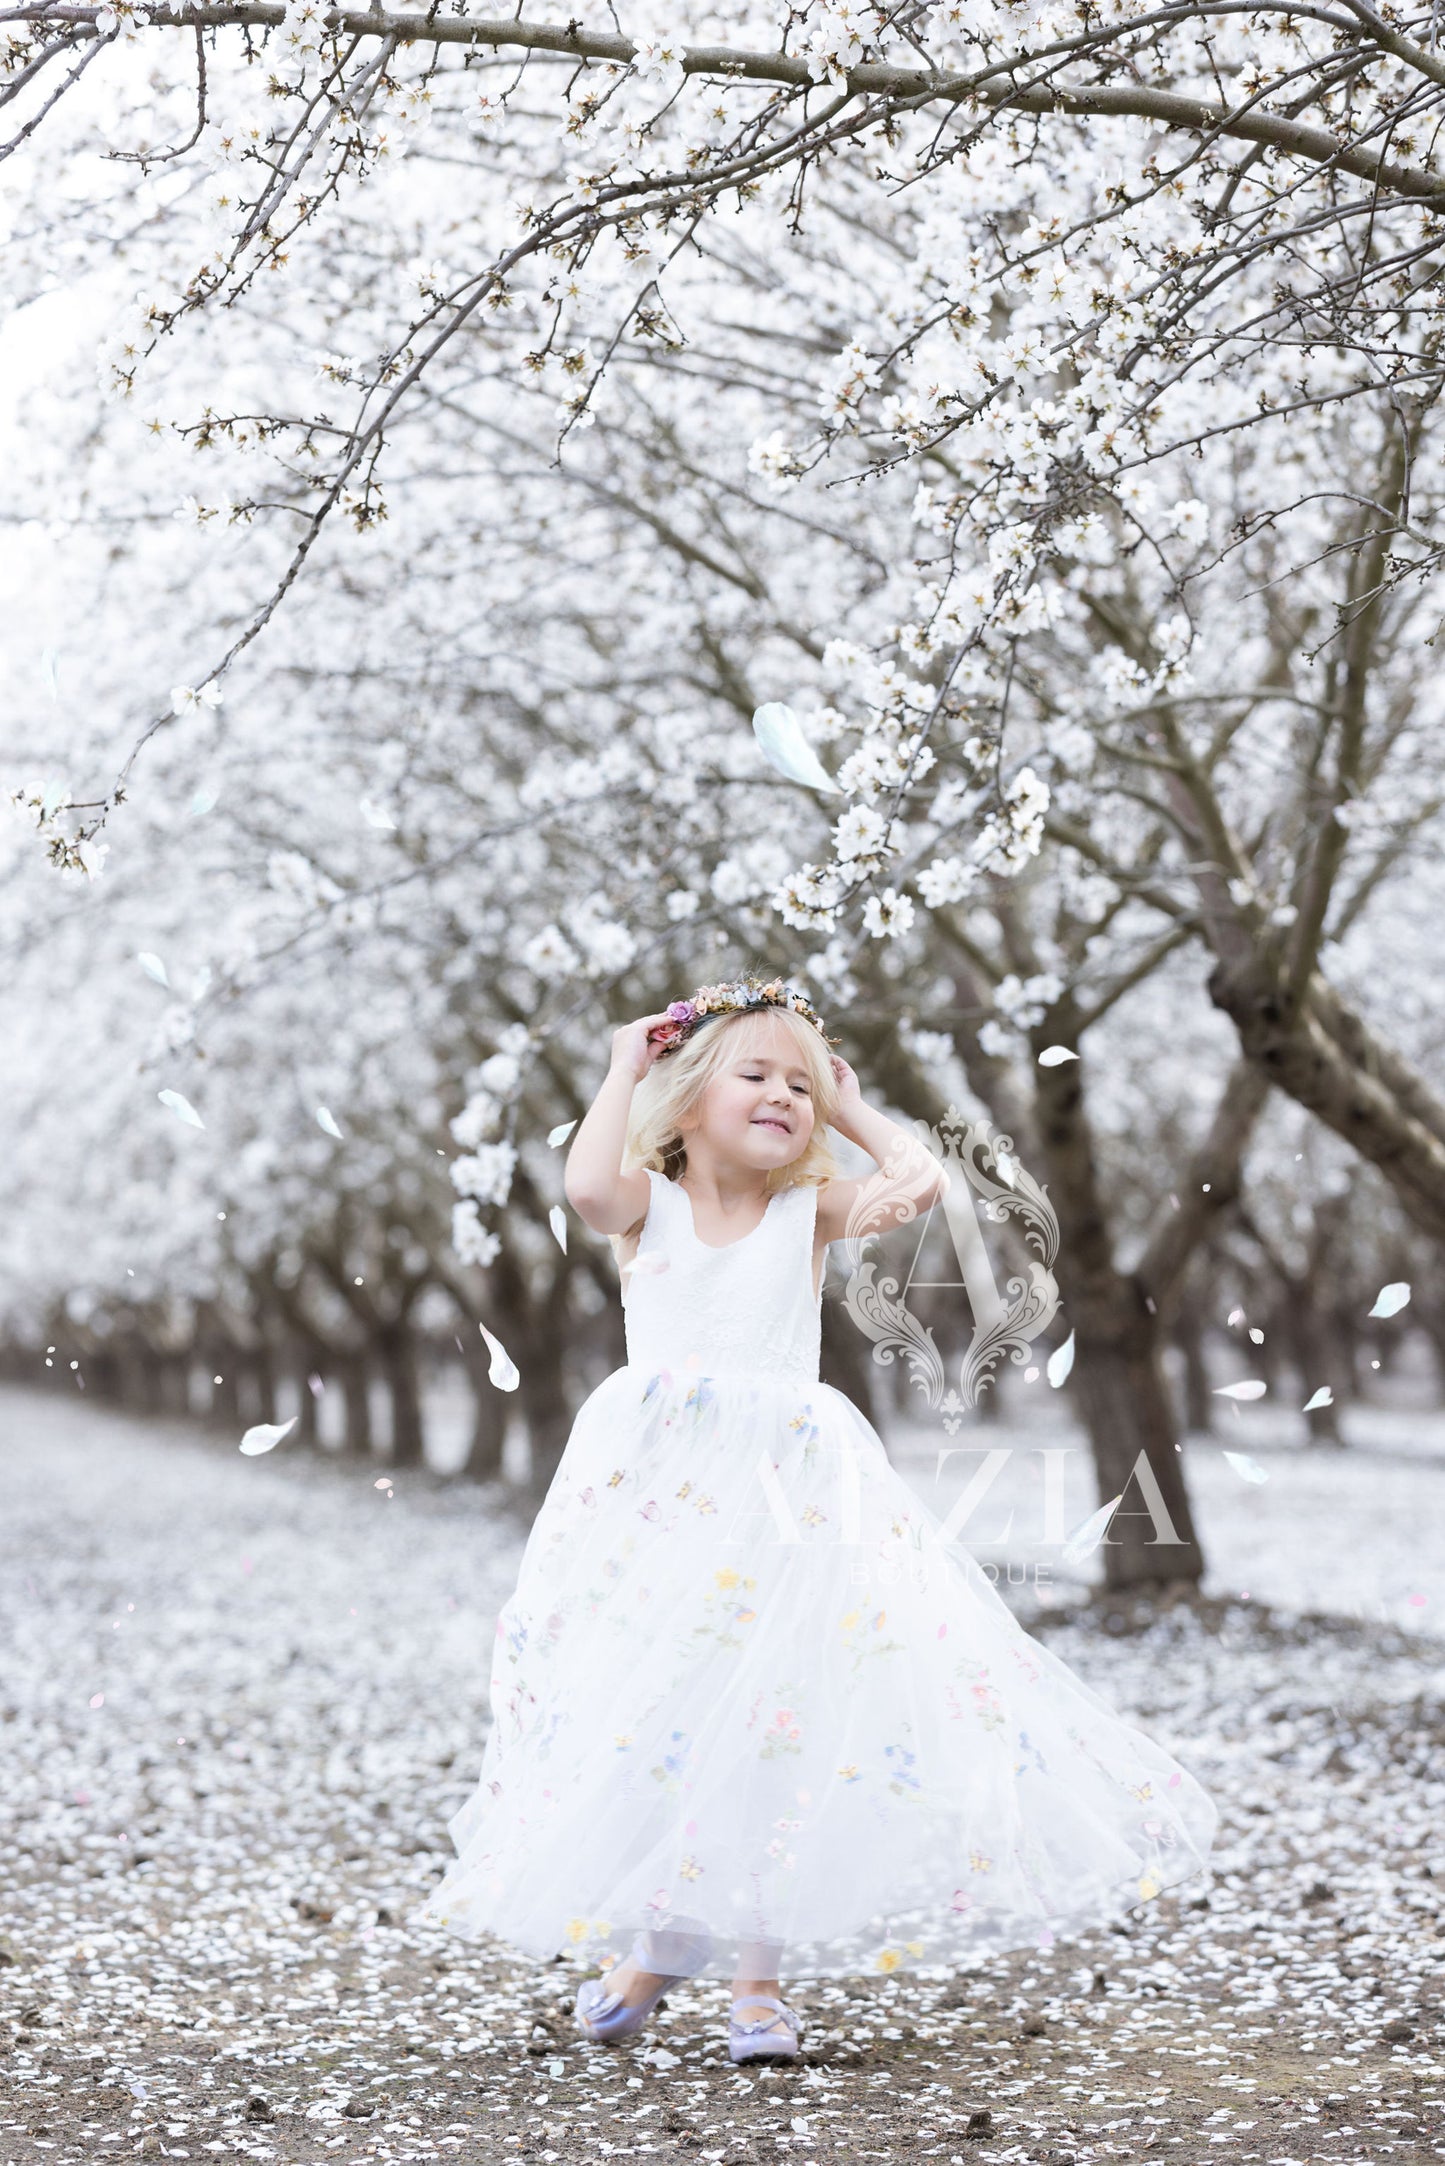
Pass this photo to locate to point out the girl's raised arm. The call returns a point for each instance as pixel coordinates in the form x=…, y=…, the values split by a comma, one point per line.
x=601, y=1194
x=909, y=1177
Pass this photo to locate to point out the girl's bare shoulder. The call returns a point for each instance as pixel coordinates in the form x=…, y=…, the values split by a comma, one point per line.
x=622, y=1209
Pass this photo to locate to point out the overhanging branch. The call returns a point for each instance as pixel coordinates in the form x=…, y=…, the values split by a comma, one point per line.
x=989, y=87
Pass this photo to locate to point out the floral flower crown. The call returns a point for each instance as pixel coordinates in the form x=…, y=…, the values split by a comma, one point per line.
x=742, y=996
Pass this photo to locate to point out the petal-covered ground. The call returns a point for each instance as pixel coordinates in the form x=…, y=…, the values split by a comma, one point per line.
x=240, y=1698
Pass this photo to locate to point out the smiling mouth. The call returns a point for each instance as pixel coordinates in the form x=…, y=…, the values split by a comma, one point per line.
x=781, y=1125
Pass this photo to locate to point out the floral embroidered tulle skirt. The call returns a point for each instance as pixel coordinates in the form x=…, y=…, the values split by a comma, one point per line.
x=744, y=1688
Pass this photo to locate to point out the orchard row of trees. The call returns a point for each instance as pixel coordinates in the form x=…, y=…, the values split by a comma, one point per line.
x=1047, y=414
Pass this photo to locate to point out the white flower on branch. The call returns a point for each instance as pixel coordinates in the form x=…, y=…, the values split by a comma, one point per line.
x=473, y=1242
x=659, y=62
x=776, y=461
x=829, y=970
x=889, y=915
x=480, y=1114
x=854, y=372
x=1026, y=1001
x=1120, y=677
x=1189, y=519
x=808, y=899
x=431, y=279
x=946, y=880
x=499, y=1072
x=881, y=764
x=486, y=1173
x=188, y=700
x=550, y=954
x=301, y=883
x=606, y=946
x=861, y=832
x=933, y=1047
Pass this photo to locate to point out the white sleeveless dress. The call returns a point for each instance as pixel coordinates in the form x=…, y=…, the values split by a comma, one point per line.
x=743, y=1686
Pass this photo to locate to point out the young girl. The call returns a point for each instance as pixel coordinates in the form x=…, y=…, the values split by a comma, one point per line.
x=746, y=1699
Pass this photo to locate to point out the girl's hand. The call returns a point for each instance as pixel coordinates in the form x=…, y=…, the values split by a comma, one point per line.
x=636, y=1045
x=850, y=1093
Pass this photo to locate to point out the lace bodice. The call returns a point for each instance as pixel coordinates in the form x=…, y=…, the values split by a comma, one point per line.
x=748, y=1305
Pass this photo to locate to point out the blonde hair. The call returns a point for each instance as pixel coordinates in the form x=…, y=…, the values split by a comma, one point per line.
x=674, y=1085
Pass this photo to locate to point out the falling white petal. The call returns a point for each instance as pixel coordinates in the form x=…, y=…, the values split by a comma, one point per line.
x=1323, y=1397
x=326, y=1119
x=1054, y=1056
x=205, y=800
x=1087, y=1538
x=181, y=1107
x=1248, y=1470
x=557, y=1220
x=561, y=1133
x=1236, y=1317
x=1004, y=1167
x=783, y=745
x=265, y=1437
x=377, y=816
x=503, y=1371
x=1392, y=1298
x=154, y=968
x=1251, y=1389
x=1060, y=1361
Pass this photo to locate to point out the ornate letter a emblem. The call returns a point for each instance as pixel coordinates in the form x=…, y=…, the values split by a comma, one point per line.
x=1004, y=1325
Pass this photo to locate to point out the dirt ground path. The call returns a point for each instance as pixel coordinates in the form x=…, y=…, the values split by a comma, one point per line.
x=240, y=1699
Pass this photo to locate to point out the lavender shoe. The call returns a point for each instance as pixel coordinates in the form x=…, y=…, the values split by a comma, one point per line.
x=606, y=2016
x=766, y=2038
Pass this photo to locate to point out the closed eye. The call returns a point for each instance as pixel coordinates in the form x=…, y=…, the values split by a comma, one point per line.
x=803, y=1087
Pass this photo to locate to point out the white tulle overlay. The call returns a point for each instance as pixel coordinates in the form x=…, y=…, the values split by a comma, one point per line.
x=745, y=1686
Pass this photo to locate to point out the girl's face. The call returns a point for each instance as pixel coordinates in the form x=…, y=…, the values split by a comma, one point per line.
x=758, y=1108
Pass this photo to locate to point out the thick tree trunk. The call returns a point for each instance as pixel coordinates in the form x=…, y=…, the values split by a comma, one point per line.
x=489, y=1426
x=1124, y=1404
x=225, y=1406
x=397, y=1350
x=1318, y=1360
x=263, y=1369
x=1328, y=1061
x=172, y=1395
x=356, y=1394
x=1198, y=1394
x=308, y=1424
x=1118, y=1379
x=101, y=1371
x=1431, y=1318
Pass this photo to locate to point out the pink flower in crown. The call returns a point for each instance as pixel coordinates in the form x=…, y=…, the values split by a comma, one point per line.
x=681, y=1015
